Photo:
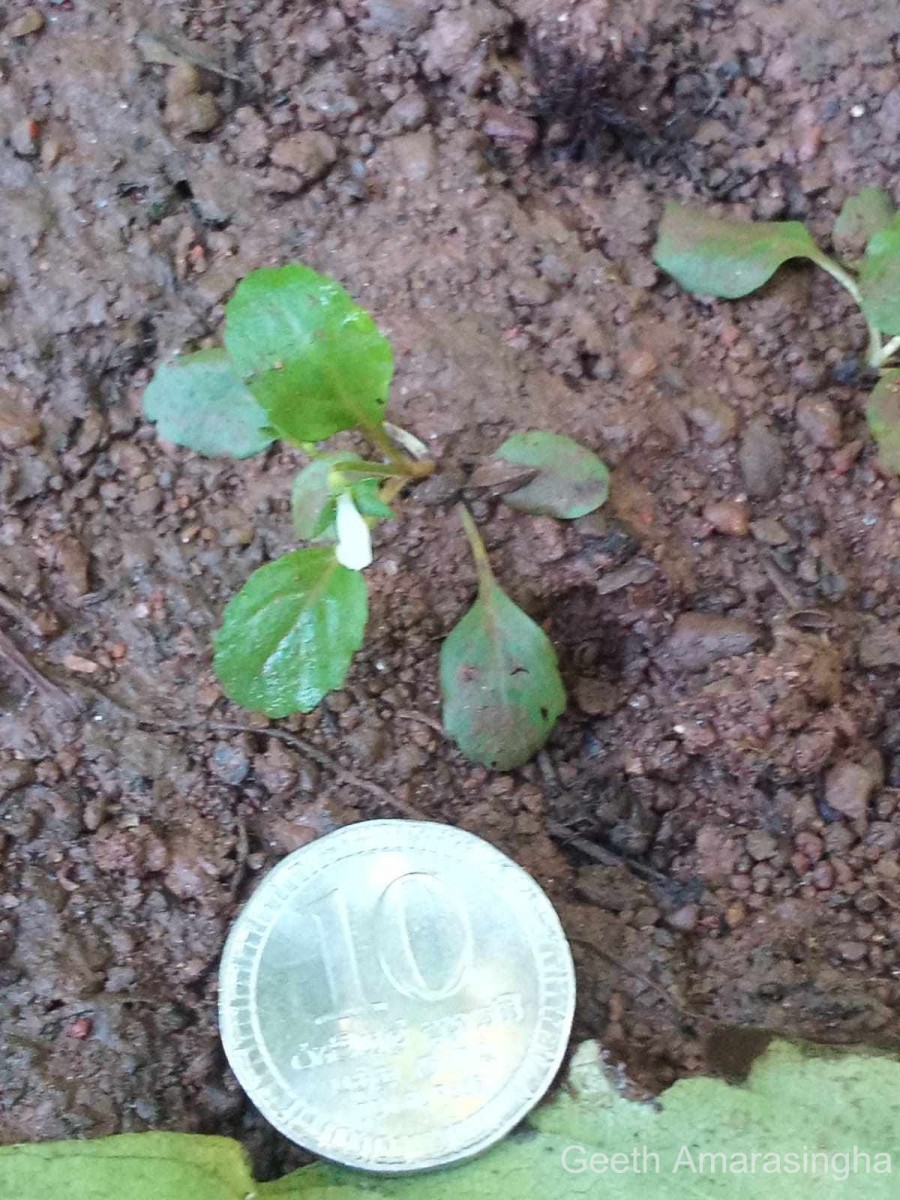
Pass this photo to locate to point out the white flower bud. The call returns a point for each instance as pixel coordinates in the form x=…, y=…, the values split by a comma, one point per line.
x=354, y=544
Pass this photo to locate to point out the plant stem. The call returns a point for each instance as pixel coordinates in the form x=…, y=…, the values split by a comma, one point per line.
x=479, y=553
x=875, y=355
x=367, y=470
x=401, y=463
x=889, y=350
x=392, y=489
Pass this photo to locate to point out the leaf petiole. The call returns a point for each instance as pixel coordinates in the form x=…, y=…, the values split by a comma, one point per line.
x=888, y=351
x=365, y=470
x=479, y=553
x=875, y=354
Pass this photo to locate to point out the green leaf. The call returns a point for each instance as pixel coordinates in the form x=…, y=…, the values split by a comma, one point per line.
x=289, y=635
x=571, y=479
x=714, y=257
x=798, y=1100
x=863, y=215
x=314, y=359
x=132, y=1166
x=879, y=279
x=500, y=683
x=313, y=496
x=199, y=401
x=367, y=497
x=312, y=500
x=883, y=416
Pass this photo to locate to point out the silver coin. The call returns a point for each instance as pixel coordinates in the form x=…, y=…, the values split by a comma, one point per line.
x=396, y=996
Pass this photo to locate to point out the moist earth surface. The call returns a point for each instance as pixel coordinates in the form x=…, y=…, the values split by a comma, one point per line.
x=715, y=817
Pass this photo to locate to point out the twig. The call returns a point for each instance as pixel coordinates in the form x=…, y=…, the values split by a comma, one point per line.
x=609, y=858
x=313, y=752
x=18, y=613
x=688, y=1013
x=52, y=691
x=410, y=714
x=783, y=585
x=290, y=739
x=241, y=853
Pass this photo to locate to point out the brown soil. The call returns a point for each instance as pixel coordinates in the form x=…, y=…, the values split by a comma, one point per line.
x=716, y=816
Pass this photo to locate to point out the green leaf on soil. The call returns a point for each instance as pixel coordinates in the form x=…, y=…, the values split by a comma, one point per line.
x=883, y=416
x=571, y=479
x=863, y=215
x=199, y=401
x=132, y=1166
x=313, y=496
x=289, y=635
x=837, y=1113
x=500, y=684
x=715, y=257
x=314, y=359
x=879, y=279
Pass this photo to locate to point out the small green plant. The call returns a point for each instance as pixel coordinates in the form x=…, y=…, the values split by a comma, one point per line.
x=302, y=362
x=714, y=257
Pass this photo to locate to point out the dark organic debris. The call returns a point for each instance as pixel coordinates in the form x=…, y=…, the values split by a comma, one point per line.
x=581, y=109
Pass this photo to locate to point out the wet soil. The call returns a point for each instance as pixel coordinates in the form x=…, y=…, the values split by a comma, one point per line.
x=716, y=816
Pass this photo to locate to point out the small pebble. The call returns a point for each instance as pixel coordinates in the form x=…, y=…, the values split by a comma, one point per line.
x=770, y=531
x=842, y=460
x=31, y=21
x=716, y=420
x=309, y=155
x=820, y=421
x=849, y=787
x=51, y=151
x=505, y=125
x=79, y=665
x=596, y=697
x=823, y=876
x=761, y=459
x=639, y=364
x=182, y=81
x=735, y=915
x=19, y=426
x=847, y=370
x=699, y=639
x=880, y=647
x=24, y=138
x=193, y=113
x=409, y=112
x=685, y=918
x=415, y=155
x=760, y=845
x=800, y=864
x=728, y=517
x=717, y=853
x=230, y=764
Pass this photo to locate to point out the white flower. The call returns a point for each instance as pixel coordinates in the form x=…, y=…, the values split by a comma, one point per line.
x=354, y=544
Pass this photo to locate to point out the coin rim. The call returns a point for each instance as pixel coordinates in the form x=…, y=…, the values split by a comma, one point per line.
x=381, y=835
